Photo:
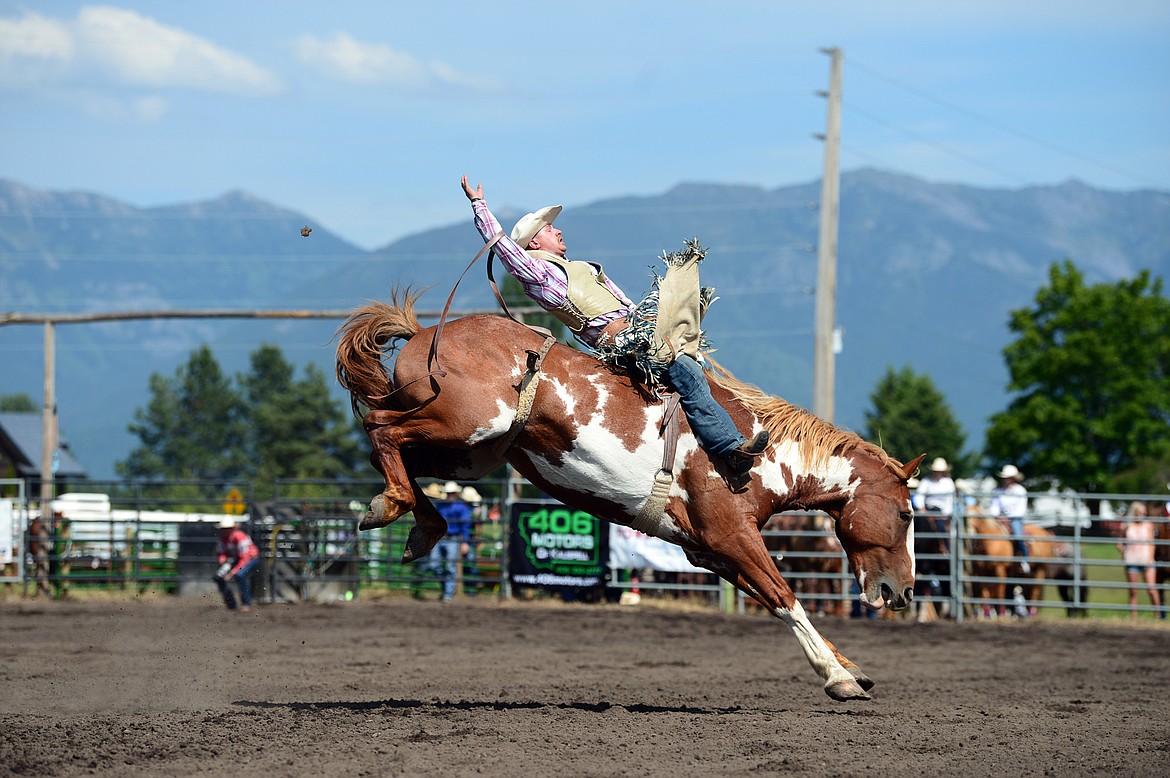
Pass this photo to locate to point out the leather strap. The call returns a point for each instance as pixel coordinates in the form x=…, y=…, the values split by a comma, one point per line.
x=649, y=519
x=433, y=355
x=528, y=386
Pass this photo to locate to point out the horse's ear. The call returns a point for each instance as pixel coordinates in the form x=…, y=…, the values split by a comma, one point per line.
x=910, y=468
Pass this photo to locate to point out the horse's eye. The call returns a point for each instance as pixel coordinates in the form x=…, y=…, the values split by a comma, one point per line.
x=906, y=516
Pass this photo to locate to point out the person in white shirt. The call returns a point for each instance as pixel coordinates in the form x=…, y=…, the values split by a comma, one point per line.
x=1011, y=502
x=935, y=500
x=937, y=490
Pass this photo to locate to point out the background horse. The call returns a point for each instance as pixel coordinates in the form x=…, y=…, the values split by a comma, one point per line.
x=814, y=553
x=990, y=552
x=1043, y=552
x=592, y=441
x=989, y=548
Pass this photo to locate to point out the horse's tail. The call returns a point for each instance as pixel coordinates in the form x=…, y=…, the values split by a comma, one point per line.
x=369, y=333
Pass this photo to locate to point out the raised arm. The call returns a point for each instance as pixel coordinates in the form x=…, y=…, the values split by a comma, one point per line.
x=542, y=281
x=472, y=194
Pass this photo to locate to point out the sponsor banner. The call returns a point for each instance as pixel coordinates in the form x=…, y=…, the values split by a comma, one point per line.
x=554, y=546
x=633, y=550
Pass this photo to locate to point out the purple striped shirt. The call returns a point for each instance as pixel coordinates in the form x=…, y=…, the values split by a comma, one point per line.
x=543, y=281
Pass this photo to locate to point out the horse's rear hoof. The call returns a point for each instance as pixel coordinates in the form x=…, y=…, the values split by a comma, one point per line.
x=375, y=517
x=846, y=690
x=417, y=546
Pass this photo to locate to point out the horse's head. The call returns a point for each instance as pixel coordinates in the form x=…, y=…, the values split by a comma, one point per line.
x=876, y=527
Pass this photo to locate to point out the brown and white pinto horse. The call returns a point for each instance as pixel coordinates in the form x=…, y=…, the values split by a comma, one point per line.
x=592, y=441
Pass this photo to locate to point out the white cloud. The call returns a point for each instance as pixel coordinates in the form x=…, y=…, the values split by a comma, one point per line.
x=118, y=46
x=35, y=37
x=346, y=59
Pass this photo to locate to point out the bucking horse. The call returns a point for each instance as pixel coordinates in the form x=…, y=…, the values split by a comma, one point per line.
x=592, y=438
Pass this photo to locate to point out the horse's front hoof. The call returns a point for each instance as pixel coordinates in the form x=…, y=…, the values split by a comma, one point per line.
x=863, y=680
x=846, y=690
x=375, y=517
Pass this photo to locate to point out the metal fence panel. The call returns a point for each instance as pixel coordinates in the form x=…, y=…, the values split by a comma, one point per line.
x=311, y=550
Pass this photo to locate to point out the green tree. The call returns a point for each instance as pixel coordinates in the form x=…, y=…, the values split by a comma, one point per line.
x=297, y=430
x=1090, y=371
x=270, y=425
x=910, y=417
x=18, y=403
x=192, y=428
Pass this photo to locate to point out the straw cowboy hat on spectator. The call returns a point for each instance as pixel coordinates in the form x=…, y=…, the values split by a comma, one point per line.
x=469, y=494
x=434, y=491
x=1009, y=471
x=939, y=465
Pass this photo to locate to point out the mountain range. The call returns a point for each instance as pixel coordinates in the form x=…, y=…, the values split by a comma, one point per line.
x=927, y=276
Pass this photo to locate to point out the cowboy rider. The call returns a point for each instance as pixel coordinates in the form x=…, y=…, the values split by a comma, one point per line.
x=598, y=312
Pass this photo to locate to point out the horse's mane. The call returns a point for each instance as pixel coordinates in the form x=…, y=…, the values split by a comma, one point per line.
x=818, y=439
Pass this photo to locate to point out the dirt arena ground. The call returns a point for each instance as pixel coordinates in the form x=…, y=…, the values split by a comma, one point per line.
x=400, y=687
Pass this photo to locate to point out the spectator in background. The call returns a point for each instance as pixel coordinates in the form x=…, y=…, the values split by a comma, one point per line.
x=937, y=491
x=470, y=495
x=1010, y=503
x=237, y=557
x=456, y=544
x=1138, y=553
x=936, y=495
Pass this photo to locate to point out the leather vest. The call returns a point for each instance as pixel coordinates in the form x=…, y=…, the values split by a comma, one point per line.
x=588, y=296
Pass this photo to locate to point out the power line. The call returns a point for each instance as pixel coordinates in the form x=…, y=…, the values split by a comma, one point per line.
x=935, y=144
x=994, y=124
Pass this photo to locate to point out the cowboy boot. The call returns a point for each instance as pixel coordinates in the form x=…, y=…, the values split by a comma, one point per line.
x=740, y=460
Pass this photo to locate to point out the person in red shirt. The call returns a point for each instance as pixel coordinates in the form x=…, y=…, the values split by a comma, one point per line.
x=237, y=556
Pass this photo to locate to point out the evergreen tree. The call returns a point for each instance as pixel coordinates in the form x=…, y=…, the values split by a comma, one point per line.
x=910, y=417
x=192, y=428
x=297, y=429
x=1090, y=370
x=197, y=425
x=18, y=403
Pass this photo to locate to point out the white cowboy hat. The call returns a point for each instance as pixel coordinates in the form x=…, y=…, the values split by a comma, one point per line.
x=1009, y=471
x=913, y=483
x=532, y=223
x=939, y=465
x=433, y=490
x=226, y=523
x=450, y=487
x=469, y=494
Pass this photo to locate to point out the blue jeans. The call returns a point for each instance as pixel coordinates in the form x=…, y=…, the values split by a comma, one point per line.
x=713, y=428
x=1018, y=541
x=445, y=564
x=243, y=578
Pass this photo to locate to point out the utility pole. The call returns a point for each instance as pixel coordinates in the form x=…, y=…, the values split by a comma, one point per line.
x=48, y=421
x=824, y=330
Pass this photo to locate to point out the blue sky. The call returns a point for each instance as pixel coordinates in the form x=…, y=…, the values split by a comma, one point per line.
x=363, y=115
